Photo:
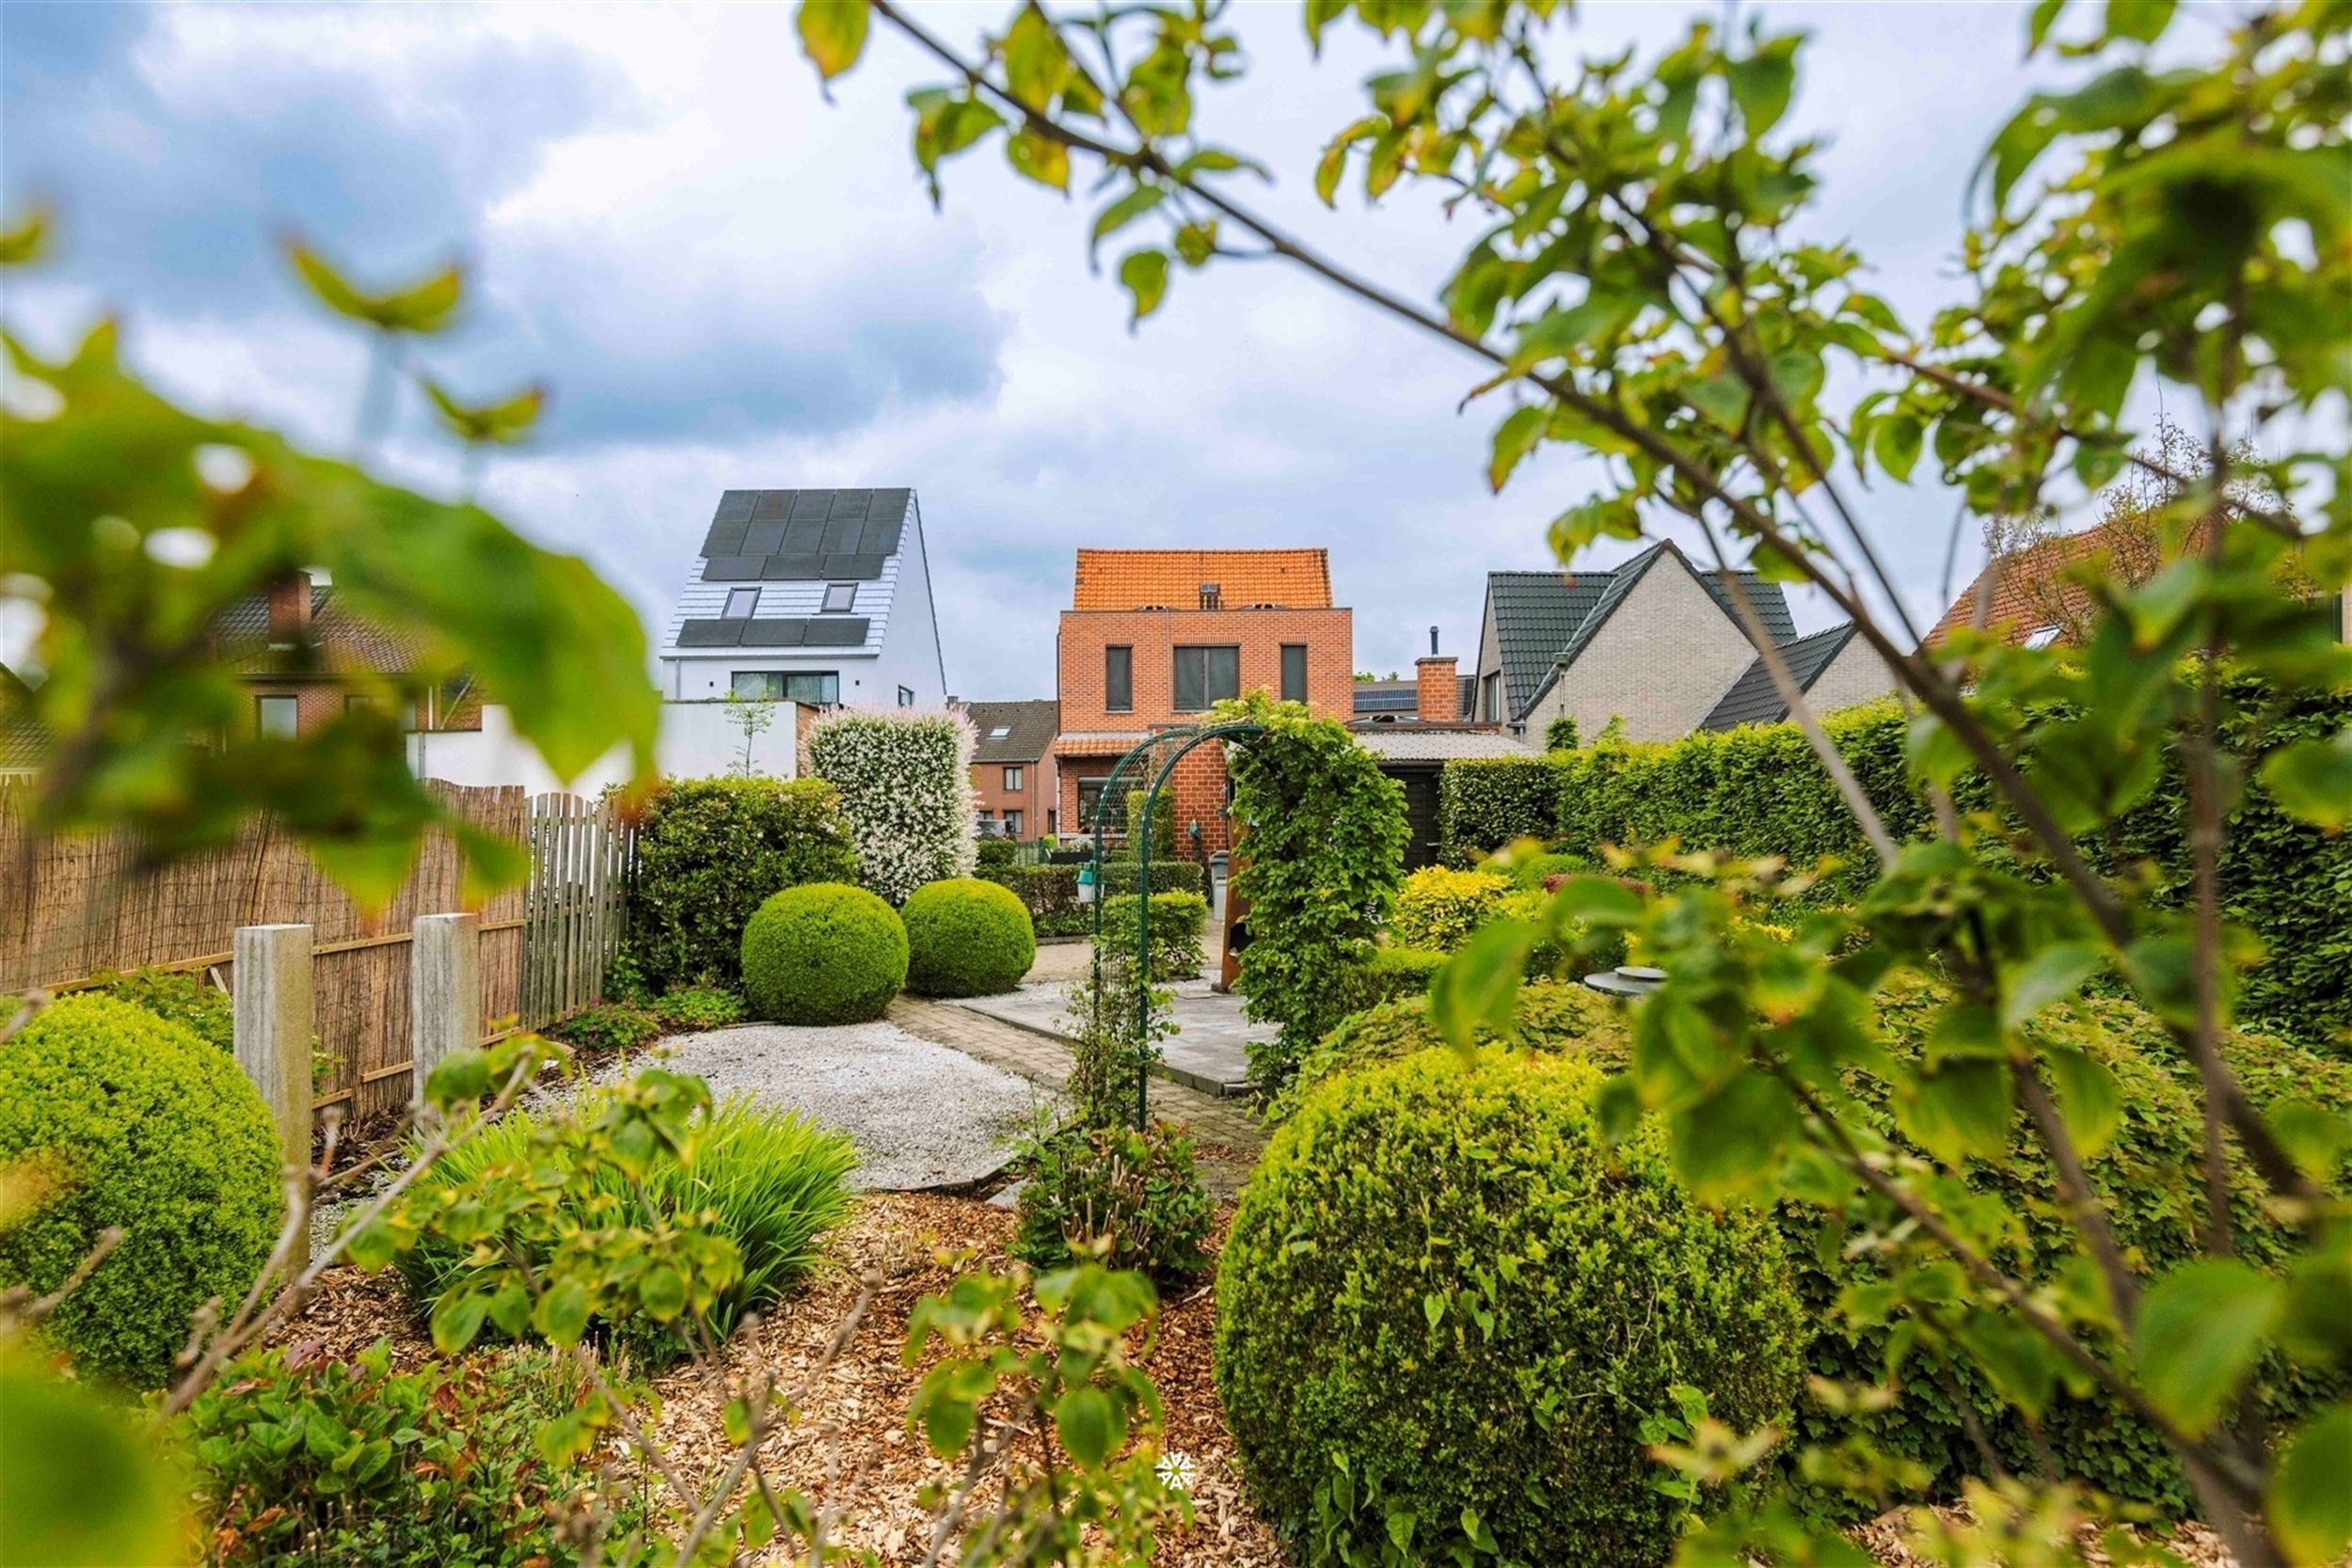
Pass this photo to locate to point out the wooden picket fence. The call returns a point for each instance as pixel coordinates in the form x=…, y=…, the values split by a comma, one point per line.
x=581, y=855
x=75, y=907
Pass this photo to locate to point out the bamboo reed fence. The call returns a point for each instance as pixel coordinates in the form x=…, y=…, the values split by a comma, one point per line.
x=77, y=908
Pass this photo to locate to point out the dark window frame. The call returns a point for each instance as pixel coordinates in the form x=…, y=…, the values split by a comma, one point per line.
x=1207, y=686
x=1293, y=652
x=261, y=709
x=784, y=680
x=1016, y=777
x=747, y=597
x=1119, y=678
x=848, y=604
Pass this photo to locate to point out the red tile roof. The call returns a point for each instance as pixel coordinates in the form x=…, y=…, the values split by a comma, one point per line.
x=1173, y=579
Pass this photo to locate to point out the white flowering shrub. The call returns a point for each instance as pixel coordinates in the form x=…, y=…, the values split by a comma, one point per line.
x=905, y=779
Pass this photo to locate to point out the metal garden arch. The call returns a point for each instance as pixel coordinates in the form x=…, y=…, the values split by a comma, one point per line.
x=1190, y=737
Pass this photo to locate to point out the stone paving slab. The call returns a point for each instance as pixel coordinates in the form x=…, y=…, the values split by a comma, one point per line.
x=1209, y=1050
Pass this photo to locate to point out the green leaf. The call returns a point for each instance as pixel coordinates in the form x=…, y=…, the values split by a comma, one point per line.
x=2313, y=1136
x=1433, y=1308
x=1599, y=901
x=2089, y=1098
x=427, y=306
x=1515, y=437
x=1036, y=64
x=1196, y=243
x=1125, y=211
x=2142, y=21
x=2200, y=1329
x=2055, y=973
x=832, y=34
x=1724, y=1142
x=459, y=1078
x=2311, y=1491
x=1763, y=83
x=663, y=1293
x=1089, y=1425
x=1035, y=155
x=1144, y=274
x=457, y=1318
x=1959, y=1107
x=562, y=1314
x=370, y=1248
x=24, y=240
x=2313, y=780
x=2045, y=15
x=947, y=1424
x=1896, y=444
x=1479, y=985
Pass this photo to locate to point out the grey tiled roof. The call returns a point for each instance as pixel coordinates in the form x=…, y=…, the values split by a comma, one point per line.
x=1436, y=742
x=1752, y=699
x=1031, y=727
x=1544, y=619
x=240, y=637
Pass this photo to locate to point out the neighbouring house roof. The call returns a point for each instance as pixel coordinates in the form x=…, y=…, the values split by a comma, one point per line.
x=1399, y=696
x=343, y=639
x=1544, y=619
x=1174, y=579
x=1436, y=742
x=787, y=547
x=24, y=744
x=1028, y=726
x=1097, y=743
x=1754, y=700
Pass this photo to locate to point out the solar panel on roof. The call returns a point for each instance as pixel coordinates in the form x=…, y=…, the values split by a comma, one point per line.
x=774, y=505
x=777, y=632
x=799, y=567
x=733, y=568
x=811, y=503
x=710, y=634
x=837, y=631
x=804, y=536
x=734, y=506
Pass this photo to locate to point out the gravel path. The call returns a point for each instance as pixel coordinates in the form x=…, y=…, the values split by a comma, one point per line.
x=921, y=1115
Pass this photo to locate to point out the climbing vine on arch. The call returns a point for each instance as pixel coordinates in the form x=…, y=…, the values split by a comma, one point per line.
x=1321, y=852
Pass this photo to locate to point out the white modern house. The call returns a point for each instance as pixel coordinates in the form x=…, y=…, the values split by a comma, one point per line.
x=812, y=597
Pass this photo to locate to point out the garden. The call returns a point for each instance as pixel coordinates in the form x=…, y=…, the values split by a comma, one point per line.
x=1967, y=1179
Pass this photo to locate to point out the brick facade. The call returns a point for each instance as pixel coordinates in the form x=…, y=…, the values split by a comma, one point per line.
x=1094, y=736
x=1034, y=799
x=1438, y=695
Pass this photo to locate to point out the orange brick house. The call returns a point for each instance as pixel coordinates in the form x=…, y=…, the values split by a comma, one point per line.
x=1152, y=639
x=305, y=659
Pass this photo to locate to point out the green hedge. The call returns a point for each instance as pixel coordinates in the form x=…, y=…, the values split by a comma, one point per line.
x=708, y=850
x=1175, y=926
x=1051, y=891
x=1759, y=790
x=1486, y=803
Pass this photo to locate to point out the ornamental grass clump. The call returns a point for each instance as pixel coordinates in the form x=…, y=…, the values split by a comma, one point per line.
x=823, y=953
x=771, y=1181
x=128, y=1120
x=966, y=938
x=1447, y=1304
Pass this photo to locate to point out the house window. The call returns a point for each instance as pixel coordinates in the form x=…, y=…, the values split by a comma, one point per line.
x=1205, y=675
x=840, y=598
x=999, y=732
x=1090, y=801
x=1119, y=681
x=276, y=716
x=1013, y=824
x=906, y=696
x=742, y=602
x=1013, y=778
x=1293, y=672
x=1211, y=597
x=1490, y=697
x=816, y=688
x=2041, y=637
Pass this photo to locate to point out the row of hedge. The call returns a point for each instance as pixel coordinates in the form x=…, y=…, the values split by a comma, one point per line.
x=1051, y=891
x=1759, y=790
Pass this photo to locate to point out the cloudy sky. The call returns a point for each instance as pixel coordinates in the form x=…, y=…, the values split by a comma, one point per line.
x=731, y=283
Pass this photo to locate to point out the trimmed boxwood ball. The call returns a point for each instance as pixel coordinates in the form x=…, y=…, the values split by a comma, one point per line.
x=823, y=952
x=1443, y=1292
x=966, y=938
x=139, y=1124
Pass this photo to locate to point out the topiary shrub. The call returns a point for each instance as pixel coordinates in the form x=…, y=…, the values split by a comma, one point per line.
x=1131, y=1199
x=905, y=779
x=1438, y=908
x=137, y=1123
x=1553, y=1018
x=1174, y=930
x=1541, y=870
x=1447, y=1304
x=826, y=953
x=996, y=851
x=707, y=851
x=178, y=997
x=966, y=938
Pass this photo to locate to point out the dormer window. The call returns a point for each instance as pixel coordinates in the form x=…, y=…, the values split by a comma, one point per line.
x=742, y=602
x=840, y=598
x=2041, y=637
x=1210, y=596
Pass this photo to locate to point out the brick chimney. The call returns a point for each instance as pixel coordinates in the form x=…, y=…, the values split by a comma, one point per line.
x=290, y=609
x=1439, y=694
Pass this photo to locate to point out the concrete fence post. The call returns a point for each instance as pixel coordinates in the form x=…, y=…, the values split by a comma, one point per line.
x=444, y=991
x=274, y=1025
